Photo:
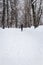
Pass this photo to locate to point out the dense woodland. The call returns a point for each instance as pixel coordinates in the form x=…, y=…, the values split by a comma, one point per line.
x=13, y=13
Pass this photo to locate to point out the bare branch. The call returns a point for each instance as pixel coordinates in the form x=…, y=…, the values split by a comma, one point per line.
x=33, y=1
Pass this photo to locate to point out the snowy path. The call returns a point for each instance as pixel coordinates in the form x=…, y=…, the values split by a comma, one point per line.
x=21, y=48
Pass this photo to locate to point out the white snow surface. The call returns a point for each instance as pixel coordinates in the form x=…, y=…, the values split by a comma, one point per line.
x=21, y=48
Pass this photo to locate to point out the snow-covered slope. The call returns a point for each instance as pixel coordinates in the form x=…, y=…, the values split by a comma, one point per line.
x=21, y=48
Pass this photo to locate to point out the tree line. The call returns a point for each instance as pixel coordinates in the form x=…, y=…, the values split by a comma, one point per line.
x=31, y=13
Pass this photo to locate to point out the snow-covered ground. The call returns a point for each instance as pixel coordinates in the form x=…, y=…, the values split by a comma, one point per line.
x=21, y=48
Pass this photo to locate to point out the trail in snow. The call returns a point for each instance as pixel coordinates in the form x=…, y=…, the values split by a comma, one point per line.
x=21, y=48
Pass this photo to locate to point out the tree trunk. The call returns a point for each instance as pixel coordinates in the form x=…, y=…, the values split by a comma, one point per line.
x=7, y=14
x=16, y=15
x=3, y=16
x=35, y=23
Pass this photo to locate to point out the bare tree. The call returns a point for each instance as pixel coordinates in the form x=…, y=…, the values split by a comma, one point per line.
x=13, y=12
x=3, y=16
x=27, y=14
x=7, y=14
x=36, y=17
